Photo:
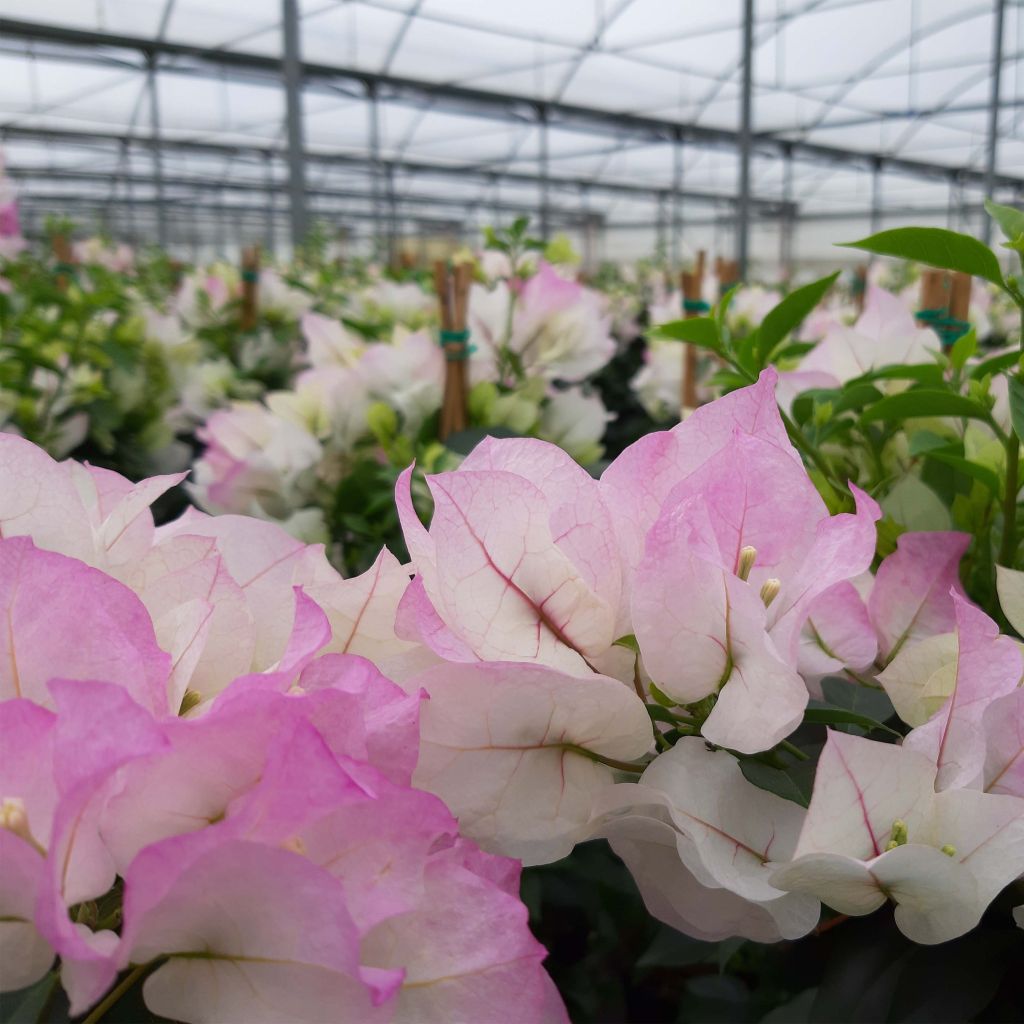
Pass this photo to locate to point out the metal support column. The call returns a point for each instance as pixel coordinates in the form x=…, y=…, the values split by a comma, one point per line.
x=992, y=143
x=129, y=190
x=373, y=144
x=787, y=219
x=876, y=196
x=292, y=68
x=675, y=246
x=268, y=180
x=746, y=109
x=158, y=157
x=545, y=212
x=392, y=225
x=659, y=227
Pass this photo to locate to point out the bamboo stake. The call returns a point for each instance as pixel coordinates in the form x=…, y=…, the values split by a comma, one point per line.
x=945, y=304
x=65, y=258
x=693, y=288
x=727, y=272
x=250, y=288
x=452, y=288
x=860, y=287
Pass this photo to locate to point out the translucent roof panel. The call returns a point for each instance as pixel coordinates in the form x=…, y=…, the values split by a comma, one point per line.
x=464, y=108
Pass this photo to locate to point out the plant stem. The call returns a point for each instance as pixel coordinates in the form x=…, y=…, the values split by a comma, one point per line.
x=611, y=762
x=116, y=992
x=1008, y=547
x=794, y=750
x=808, y=451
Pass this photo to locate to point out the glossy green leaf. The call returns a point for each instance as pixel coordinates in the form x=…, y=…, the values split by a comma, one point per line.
x=929, y=374
x=789, y=314
x=937, y=247
x=1017, y=405
x=963, y=348
x=995, y=364
x=774, y=780
x=819, y=713
x=1010, y=220
x=842, y=693
x=974, y=470
x=701, y=331
x=925, y=402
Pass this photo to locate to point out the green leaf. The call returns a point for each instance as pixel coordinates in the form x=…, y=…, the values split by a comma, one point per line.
x=794, y=350
x=841, y=693
x=1017, y=404
x=925, y=402
x=659, y=713
x=820, y=713
x=26, y=1005
x=936, y=247
x=963, y=348
x=974, y=470
x=994, y=364
x=701, y=331
x=673, y=949
x=628, y=641
x=924, y=441
x=462, y=442
x=1010, y=221
x=856, y=397
x=746, y=354
x=923, y=373
x=774, y=780
x=789, y=314
x=915, y=506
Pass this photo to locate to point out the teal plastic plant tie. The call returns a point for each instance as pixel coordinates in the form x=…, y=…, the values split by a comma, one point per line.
x=455, y=345
x=250, y=276
x=695, y=306
x=947, y=327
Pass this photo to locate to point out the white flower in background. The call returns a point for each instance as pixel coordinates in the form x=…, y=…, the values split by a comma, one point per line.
x=576, y=422
x=559, y=330
x=489, y=324
x=665, y=306
x=750, y=305
x=404, y=303
x=658, y=384
x=256, y=463
x=166, y=329
x=278, y=297
x=884, y=333
x=495, y=265
x=329, y=402
x=329, y=342
x=204, y=294
x=407, y=374
x=118, y=259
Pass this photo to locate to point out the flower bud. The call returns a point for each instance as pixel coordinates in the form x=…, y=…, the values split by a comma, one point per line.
x=770, y=590
x=14, y=818
x=748, y=556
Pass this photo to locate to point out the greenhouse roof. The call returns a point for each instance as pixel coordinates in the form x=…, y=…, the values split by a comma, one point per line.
x=455, y=112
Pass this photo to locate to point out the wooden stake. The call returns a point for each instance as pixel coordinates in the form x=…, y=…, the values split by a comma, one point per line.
x=452, y=287
x=727, y=272
x=950, y=295
x=250, y=288
x=693, y=289
x=64, y=256
x=860, y=287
